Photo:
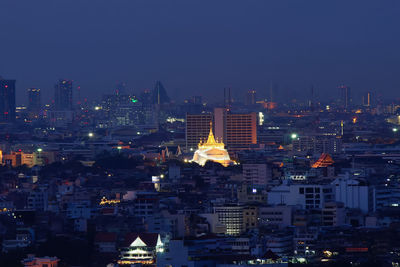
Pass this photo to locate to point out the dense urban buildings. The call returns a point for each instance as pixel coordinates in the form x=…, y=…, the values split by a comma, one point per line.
x=135, y=177
x=220, y=134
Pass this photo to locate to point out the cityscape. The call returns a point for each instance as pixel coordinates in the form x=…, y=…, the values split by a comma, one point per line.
x=155, y=175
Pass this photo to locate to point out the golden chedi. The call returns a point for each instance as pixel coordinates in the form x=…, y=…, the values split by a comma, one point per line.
x=212, y=150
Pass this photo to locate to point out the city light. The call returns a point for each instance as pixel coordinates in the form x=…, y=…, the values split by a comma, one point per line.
x=260, y=118
x=114, y=169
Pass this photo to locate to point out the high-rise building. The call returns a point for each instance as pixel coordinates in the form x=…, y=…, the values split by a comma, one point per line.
x=227, y=98
x=197, y=128
x=34, y=103
x=159, y=94
x=251, y=97
x=7, y=100
x=124, y=110
x=237, y=131
x=63, y=95
x=345, y=97
x=120, y=89
x=197, y=100
x=367, y=99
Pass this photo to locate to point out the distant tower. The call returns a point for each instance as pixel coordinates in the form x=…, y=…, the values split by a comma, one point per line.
x=120, y=89
x=227, y=98
x=197, y=100
x=7, y=100
x=368, y=99
x=159, y=94
x=311, y=102
x=345, y=98
x=251, y=97
x=63, y=95
x=34, y=102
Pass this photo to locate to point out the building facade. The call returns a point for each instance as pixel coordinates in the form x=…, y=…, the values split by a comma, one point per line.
x=7, y=100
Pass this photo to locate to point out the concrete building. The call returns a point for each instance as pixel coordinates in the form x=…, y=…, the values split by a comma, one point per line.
x=256, y=174
x=333, y=214
x=353, y=193
x=238, y=131
x=7, y=100
x=232, y=217
x=317, y=144
x=280, y=216
x=308, y=196
x=63, y=95
x=34, y=102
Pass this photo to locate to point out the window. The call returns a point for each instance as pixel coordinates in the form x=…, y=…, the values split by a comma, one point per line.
x=301, y=190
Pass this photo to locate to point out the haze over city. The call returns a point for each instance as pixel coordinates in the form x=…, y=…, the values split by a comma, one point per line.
x=202, y=46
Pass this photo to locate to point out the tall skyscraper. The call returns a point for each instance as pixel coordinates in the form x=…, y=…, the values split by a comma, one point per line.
x=345, y=97
x=34, y=102
x=7, y=100
x=367, y=99
x=63, y=95
x=159, y=94
x=251, y=97
x=227, y=98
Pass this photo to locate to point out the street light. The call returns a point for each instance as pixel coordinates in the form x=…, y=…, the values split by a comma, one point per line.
x=395, y=129
x=90, y=134
x=294, y=135
x=39, y=150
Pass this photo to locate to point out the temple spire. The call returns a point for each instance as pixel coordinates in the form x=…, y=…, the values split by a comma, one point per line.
x=211, y=139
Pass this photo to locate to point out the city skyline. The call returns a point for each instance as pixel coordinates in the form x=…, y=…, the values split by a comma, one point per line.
x=246, y=46
x=177, y=133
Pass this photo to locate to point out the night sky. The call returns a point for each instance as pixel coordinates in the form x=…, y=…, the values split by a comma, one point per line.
x=200, y=47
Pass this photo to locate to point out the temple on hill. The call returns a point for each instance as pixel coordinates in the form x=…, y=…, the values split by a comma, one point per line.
x=324, y=161
x=212, y=150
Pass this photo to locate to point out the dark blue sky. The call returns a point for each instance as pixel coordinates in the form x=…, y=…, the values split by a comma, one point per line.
x=200, y=47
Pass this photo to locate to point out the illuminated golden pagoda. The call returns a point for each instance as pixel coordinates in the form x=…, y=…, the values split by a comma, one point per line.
x=212, y=150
